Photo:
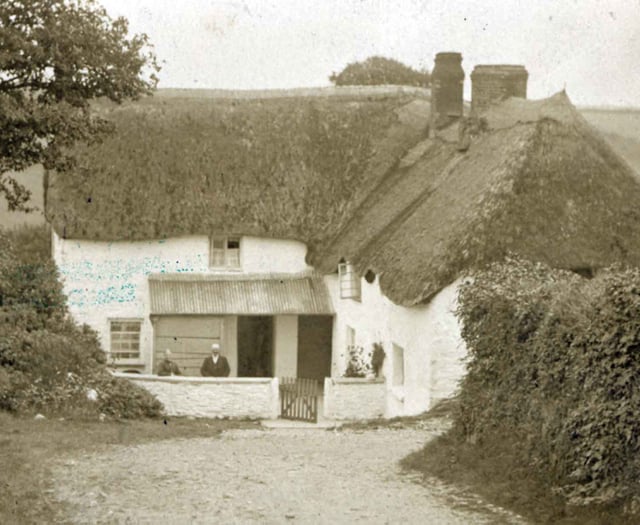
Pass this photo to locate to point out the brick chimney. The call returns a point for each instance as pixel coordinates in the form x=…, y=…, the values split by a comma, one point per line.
x=493, y=83
x=447, y=83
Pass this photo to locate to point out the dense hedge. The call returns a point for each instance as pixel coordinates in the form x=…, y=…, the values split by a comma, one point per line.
x=555, y=360
x=47, y=362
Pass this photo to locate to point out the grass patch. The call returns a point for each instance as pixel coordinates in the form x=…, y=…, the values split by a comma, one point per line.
x=495, y=471
x=28, y=445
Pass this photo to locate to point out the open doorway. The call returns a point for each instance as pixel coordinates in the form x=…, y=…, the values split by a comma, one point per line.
x=255, y=346
x=314, y=346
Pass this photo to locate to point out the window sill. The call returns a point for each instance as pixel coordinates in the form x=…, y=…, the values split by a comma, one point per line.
x=124, y=361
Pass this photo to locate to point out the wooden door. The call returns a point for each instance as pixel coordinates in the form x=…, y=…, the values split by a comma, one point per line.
x=315, y=334
x=189, y=338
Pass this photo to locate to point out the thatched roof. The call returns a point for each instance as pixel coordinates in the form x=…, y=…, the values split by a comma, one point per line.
x=288, y=166
x=356, y=177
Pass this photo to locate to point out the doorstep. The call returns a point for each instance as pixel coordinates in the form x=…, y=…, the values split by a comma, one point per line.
x=290, y=423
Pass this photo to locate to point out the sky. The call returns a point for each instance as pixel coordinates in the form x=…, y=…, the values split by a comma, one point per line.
x=591, y=48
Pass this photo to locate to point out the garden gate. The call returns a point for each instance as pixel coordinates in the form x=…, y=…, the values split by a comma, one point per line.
x=299, y=399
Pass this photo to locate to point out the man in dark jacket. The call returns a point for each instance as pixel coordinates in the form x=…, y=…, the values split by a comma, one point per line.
x=167, y=367
x=215, y=365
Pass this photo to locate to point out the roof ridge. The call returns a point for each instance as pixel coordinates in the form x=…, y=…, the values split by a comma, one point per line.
x=301, y=92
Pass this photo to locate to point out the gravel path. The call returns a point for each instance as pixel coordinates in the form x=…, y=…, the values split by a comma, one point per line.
x=265, y=476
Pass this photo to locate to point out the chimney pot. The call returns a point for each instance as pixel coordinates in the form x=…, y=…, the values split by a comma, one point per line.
x=447, y=83
x=494, y=83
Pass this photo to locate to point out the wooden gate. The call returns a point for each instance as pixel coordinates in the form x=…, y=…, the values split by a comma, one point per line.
x=299, y=399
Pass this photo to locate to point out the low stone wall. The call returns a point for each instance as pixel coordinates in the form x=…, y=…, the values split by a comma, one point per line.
x=354, y=398
x=233, y=397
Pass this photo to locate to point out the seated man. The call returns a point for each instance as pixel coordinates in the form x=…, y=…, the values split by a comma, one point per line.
x=215, y=365
x=168, y=367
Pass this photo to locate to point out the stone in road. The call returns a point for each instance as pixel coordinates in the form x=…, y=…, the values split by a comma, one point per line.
x=264, y=476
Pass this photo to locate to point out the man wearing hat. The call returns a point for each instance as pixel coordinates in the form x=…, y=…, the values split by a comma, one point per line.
x=215, y=365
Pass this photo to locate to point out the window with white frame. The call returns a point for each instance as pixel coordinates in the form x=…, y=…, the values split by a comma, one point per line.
x=349, y=282
x=125, y=338
x=224, y=252
x=398, y=365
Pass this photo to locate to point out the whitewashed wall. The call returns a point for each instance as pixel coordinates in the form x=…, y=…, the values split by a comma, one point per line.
x=429, y=335
x=213, y=397
x=105, y=280
x=352, y=398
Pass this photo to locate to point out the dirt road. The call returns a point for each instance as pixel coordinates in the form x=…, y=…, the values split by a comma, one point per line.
x=265, y=476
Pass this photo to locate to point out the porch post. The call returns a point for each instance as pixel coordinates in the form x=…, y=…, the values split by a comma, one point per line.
x=285, y=346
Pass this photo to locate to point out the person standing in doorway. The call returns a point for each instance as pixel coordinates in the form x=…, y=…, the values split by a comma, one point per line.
x=215, y=365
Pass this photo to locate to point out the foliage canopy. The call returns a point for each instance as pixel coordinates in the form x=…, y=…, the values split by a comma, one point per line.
x=56, y=56
x=47, y=362
x=554, y=358
x=377, y=70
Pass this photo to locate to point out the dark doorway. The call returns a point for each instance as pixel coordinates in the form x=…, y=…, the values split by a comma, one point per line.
x=255, y=346
x=314, y=346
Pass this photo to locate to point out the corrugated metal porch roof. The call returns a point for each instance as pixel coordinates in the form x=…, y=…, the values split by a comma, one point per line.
x=216, y=294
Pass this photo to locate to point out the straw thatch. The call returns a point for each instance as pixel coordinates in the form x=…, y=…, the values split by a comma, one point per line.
x=540, y=183
x=356, y=178
x=288, y=166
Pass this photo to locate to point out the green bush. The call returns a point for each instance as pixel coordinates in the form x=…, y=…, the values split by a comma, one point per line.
x=553, y=359
x=48, y=363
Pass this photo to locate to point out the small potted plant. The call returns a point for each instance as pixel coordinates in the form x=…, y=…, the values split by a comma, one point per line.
x=356, y=366
x=377, y=358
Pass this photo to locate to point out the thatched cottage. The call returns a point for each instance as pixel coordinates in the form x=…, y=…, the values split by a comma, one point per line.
x=298, y=228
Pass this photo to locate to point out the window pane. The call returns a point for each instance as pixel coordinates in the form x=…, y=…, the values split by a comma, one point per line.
x=233, y=244
x=233, y=258
x=217, y=243
x=125, y=339
x=217, y=258
x=351, y=337
x=398, y=365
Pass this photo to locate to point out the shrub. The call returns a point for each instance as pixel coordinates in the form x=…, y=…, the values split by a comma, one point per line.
x=120, y=398
x=553, y=359
x=48, y=363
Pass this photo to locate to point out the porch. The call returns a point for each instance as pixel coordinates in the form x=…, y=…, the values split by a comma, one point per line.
x=266, y=325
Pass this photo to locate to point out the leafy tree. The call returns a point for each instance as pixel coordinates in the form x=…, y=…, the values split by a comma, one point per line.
x=378, y=70
x=56, y=56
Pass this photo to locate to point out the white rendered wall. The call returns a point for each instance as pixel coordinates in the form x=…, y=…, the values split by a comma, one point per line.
x=285, y=345
x=262, y=255
x=429, y=335
x=351, y=398
x=213, y=397
x=106, y=280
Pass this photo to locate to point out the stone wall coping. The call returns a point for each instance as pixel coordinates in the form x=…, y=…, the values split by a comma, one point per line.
x=196, y=379
x=356, y=380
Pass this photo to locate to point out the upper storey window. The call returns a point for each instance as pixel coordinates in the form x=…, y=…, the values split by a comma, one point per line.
x=224, y=252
